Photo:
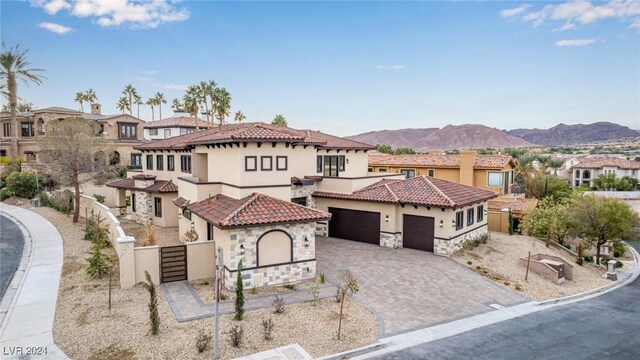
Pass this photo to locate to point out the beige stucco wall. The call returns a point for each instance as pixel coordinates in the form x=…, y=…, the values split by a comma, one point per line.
x=324, y=204
x=357, y=162
x=349, y=185
x=274, y=248
x=163, y=174
x=201, y=260
x=147, y=258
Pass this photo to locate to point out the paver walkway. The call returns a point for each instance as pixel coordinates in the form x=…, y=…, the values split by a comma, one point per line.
x=187, y=304
x=410, y=289
x=29, y=321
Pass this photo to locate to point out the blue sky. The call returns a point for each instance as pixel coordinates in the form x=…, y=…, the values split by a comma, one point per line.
x=345, y=67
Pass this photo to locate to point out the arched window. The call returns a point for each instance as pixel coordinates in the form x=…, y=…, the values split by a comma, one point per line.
x=274, y=247
x=577, y=173
x=586, y=174
x=114, y=158
x=40, y=126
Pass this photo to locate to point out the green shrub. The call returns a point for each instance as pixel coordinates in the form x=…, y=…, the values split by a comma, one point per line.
x=203, y=341
x=64, y=206
x=239, y=305
x=2, y=184
x=96, y=231
x=580, y=260
x=618, y=264
x=5, y=194
x=154, y=318
x=289, y=286
x=467, y=245
x=24, y=184
x=618, y=249
x=100, y=264
x=588, y=259
x=267, y=329
x=6, y=160
x=322, y=278
x=235, y=336
x=100, y=198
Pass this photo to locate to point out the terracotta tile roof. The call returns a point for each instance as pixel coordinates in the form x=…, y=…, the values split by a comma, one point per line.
x=600, y=162
x=438, y=160
x=175, y=121
x=517, y=205
x=158, y=186
x=255, y=209
x=255, y=132
x=419, y=190
x=180, y=202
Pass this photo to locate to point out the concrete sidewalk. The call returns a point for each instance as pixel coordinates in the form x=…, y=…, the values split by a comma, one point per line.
x=27, y=330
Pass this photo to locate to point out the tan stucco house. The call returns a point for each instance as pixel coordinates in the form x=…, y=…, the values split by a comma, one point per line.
x=173, y=126
x=491, y=172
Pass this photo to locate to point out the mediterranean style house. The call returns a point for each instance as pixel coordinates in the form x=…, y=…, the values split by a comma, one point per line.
x=582, y=170
x=264, y=193
x=173, y=126
x=121, y=131
x=490, y=172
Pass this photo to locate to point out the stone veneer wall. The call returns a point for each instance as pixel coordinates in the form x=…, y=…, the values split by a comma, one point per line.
x=391, y=240
x=322, y=229
x=144, y=202
x=448, y=247
x=271, y=275
x=298, y=191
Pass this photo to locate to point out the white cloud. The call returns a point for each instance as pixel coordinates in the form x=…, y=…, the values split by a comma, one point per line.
x=108, y=13
x=579, y=12
x=575, y=42
x=398, y=67
x=56, y=28
x=507, y=13
x=391, y=67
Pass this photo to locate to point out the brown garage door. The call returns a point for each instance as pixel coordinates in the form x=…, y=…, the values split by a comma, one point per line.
x=417, y=232
x=363, y=226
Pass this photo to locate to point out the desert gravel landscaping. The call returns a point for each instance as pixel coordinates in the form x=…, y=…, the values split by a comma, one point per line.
x=498, y=260
x=85, y=329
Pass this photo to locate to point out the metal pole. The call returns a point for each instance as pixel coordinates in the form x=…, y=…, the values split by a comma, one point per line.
x=526, y=276
x=219, y=274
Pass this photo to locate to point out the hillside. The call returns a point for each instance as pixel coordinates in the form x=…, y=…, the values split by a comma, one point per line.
x=450, y=137
x=575, y=134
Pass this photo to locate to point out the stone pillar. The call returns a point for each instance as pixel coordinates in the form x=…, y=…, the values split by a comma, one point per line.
x=127, y=262
x=611, y=270
x=144, y=200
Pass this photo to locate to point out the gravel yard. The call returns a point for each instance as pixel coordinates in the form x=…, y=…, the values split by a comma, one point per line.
x=498, y=260
x=164, y=236
x=85, y=329
x=205, y=288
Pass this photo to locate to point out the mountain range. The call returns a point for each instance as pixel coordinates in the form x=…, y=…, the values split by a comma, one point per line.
x=473, y=136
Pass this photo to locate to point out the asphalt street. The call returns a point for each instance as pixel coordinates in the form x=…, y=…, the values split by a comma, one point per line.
x=11, y=244
x=604, y=327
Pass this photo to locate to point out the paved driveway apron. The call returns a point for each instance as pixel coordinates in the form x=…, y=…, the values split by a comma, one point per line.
x=409, y=288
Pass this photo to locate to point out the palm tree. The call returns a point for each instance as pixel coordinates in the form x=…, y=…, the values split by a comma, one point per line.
x=20, y=107
x=279, y=120
x=239, y=116
x=205, y=90
x=123, y=104
x=129, y=91
x=90, y=96
x=152, y=102
x=212, y=97
x=555, y=164
x=138, y=101
x=159, y=98
x=223, y=104
x=176, y=105
x=191, y=100
x=80, y=98
x=14, y=66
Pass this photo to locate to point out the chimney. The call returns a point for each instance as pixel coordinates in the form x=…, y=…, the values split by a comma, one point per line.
x=96, y=109
x=467, y=162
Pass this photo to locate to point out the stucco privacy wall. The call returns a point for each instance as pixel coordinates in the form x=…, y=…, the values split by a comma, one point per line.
x=147, y=258
x=302, y=267
x=201, y=257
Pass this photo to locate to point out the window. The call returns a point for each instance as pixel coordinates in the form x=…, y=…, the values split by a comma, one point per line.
x=511, y=177
x=6, y=129
x=470, y=216
x=170, y=163
x=382, y=170
x=459, y=220
x=127, y=131
x=186, y=214
x=586, y=174
x=3, y=152
x=209, y=232
x=185, y=163
x=157, y=206
x=431, y=172
x=149, y=162
x=577, y=173
x=250, y=163
x=408, y=173
x=496, y=179
x=167, y=133
x=184, y=131
x=266, y=163
x=330, y=166
x=159, y=162
x=369, y=169
x=27, y=130
x=318, y=164
x=30, y=156
x=136, y=160
x=341, y=161
x=153, y=131
x=480, y=213
x=281, y=163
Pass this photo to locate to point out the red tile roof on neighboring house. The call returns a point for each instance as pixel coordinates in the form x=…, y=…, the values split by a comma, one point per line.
x=158, y=186
x=253, y=210
x=439, y=160
x=251, y=132
x=176, y=121
x=419, y=190
x=180, y=202
x=600, y=162
x=517, y=205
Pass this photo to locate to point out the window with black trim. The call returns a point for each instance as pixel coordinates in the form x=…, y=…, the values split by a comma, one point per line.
x=431, y=172
x=470, y=216
x=369, y=169
x=136, y=160
x=382, y=170
x=266, y=163
x=185, y=163
x=6, y=129
x=459, y=220
x=159, y=162
x=282, y=163
x=209, y=232
x=341, y=161
x=480, y=213
x=27, y=129
x=153, y=131
x=408, y=173
x=318, y=164
x=157, y=206
x=250, y=163
x=149, y=162
x=171, y=166
x=127, y=131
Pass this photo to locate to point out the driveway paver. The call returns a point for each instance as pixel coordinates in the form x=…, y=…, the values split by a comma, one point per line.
x=408, y=288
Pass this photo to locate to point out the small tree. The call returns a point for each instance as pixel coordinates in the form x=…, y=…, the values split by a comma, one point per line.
x=154, y=318
x=100, y=264
x=279, y=120
x=404, y=150
x=384, y=149
x=347, y=285
x=548, y=219
x=239, y=294
x=190, y=236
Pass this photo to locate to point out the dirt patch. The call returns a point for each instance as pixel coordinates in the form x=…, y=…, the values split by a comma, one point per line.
x=71, y=265
x=82, y=318
x=112, y=352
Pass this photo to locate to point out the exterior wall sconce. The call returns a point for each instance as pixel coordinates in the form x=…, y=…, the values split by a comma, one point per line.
x=193, y=226
x=386, y=218
x=485, y=212
x=441, y=223
x=453, y=224
x=347, y=160
x=179, y=214
x=306, y=242
x=241, y=249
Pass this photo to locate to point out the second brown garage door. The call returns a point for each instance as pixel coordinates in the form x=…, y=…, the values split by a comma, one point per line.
x=363, y=226
x=417, y=232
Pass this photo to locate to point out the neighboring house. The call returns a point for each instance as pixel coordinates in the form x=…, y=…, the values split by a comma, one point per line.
x=122, y=131
x=249, y=188
x=582, y=170
x=490, y=172
x=173, y=126
x=499, y=208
